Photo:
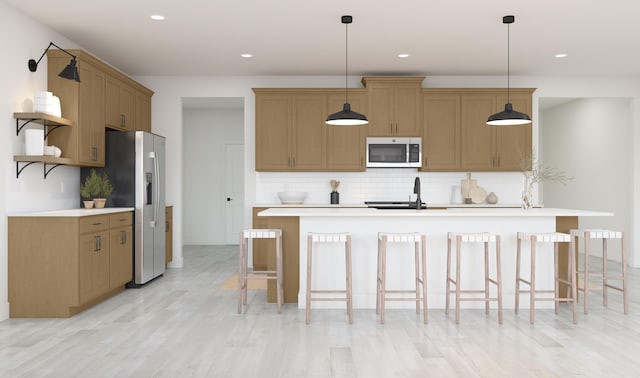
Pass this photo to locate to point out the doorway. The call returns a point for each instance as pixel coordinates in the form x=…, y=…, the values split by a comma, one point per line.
x=213, y=134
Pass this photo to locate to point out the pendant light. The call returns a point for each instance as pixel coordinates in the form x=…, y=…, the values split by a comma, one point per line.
x=346, y=117
x=508, y=117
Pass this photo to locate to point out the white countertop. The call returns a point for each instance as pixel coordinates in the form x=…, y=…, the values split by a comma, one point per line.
x=429, y=205
x=73, y=212
x=450, y=212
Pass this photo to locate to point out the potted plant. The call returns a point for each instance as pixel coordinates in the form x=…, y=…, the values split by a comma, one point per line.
x=88, y=190
x=98, y=186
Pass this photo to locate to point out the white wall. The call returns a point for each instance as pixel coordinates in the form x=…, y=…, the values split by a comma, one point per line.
x=22, y=39
x=206, y=131
x=591, y=139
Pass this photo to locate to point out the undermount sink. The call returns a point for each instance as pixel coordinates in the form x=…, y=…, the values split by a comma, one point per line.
x=394, y=205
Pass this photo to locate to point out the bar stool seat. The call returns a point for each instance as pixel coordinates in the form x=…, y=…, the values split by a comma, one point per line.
x=314, y=237
x=603, y=275
x=485, y=238
x=555, y=238
x=419, y=241
x=243, y=265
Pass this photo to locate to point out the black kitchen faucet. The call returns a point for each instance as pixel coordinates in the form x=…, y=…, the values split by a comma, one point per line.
x=416, y=190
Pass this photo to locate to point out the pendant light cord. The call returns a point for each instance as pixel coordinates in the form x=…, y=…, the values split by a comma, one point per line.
x=346, y=64
x=508, y=62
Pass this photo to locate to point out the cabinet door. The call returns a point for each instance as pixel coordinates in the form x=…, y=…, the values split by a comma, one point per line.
x=380, y=113
x=345, y=145
x=273, y=113
x=94, y=265
x=407, y=110
x=168, y=234
x=90, y=125
x=513, y=143
x=119, y=105
x=120, y=256
x=143, y=112
x=441, y=137
x=477, y=139
x=307, y=132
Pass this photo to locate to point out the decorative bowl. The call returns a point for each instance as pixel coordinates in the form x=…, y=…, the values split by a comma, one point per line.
x=292, y=198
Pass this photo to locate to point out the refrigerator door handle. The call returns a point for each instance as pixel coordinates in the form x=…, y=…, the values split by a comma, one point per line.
x=156, y=203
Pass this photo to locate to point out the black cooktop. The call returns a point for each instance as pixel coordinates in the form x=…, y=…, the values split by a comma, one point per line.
x=394, y=205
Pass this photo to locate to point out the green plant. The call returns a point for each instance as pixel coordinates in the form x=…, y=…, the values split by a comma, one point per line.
x=96, y=185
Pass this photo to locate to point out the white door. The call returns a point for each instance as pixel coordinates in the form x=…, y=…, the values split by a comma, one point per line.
x=234, y=181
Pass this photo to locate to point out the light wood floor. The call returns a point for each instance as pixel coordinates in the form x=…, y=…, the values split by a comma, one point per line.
x=185, y=325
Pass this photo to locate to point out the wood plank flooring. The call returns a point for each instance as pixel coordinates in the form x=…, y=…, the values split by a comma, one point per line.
x=185, y=325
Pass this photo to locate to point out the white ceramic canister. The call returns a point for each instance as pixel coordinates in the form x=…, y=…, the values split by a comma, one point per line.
x=34, y=142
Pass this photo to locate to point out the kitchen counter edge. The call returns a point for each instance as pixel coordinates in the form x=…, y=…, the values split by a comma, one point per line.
x=73, y=212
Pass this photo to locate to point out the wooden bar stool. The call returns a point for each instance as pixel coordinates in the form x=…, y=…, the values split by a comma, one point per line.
x=484, y=238
x=243, y=264
x=603, y=274
x=420, y=242
x=345, y=238
x=555, y=238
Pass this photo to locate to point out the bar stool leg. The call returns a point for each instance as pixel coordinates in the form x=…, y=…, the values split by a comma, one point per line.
x=499, y=278
x=518, y=254
x=586, y=273
x=309, y=257
x=448, y=288
x=348, y=279
x=574, y=279
x=424, y=278
x=604, y=272
x=417, y=272
x=532, y=285
x=625, y=298
x=378, y=278
x=383, y=281
x=556, y=273
x=486, y=277
x=458, y=250
x=240, y=272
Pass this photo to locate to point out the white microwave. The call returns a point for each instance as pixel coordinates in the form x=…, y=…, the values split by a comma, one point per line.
x=394, y=152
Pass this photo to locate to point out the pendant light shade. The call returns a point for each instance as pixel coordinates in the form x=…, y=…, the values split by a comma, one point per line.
x=508, y=117
x=346, y=117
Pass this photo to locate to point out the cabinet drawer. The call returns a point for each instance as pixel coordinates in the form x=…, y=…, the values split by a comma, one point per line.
x=120, y=219
x=94, y=223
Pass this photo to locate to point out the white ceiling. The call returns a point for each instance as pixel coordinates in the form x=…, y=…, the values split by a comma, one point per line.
x=304, y=37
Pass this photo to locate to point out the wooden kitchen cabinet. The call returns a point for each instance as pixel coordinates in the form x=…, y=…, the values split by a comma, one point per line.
x=346, y=146
x=120, y=105
x=168, y=234
x=395, y=106
x=61, y=265
x=82, y=103
x=441, y=135
x=264, y=253
x=289, y=130
x=493, y=148
x=143, y=112
x=91, y=105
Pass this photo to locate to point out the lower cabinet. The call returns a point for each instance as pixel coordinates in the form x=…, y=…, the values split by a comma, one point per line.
x=168, y=215
x=61, y=265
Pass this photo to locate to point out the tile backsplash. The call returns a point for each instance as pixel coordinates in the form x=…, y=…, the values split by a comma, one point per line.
x=384, y=184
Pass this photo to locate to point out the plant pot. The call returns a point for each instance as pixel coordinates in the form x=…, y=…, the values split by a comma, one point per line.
x=88, y=204
x=100, y=202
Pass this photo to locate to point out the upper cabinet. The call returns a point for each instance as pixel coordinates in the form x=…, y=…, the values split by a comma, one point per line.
x=291, y=133
x=104, y=97
x=120, y=105
x=83, y=103
x=395, y=106
x=457, y=138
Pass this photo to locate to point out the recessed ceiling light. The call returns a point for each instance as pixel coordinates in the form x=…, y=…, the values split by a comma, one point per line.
x=157, y=17
x=560, y=55
x=403, y=55
x=247, y=55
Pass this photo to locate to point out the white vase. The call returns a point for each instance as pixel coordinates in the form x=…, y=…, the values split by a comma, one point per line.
x=527, y=192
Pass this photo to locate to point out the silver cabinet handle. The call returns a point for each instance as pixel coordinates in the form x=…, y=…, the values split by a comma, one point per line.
x=123, y=237
x=97, y=246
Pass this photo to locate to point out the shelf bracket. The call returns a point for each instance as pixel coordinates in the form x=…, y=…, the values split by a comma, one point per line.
x=19, y=170
x=46, y=171
x=47, y=128
x=46, y=168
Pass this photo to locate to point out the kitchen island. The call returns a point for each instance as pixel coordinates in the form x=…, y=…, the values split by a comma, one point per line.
x=365, y=223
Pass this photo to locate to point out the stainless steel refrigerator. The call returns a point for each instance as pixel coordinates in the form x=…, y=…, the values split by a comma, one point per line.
x=135, y=163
